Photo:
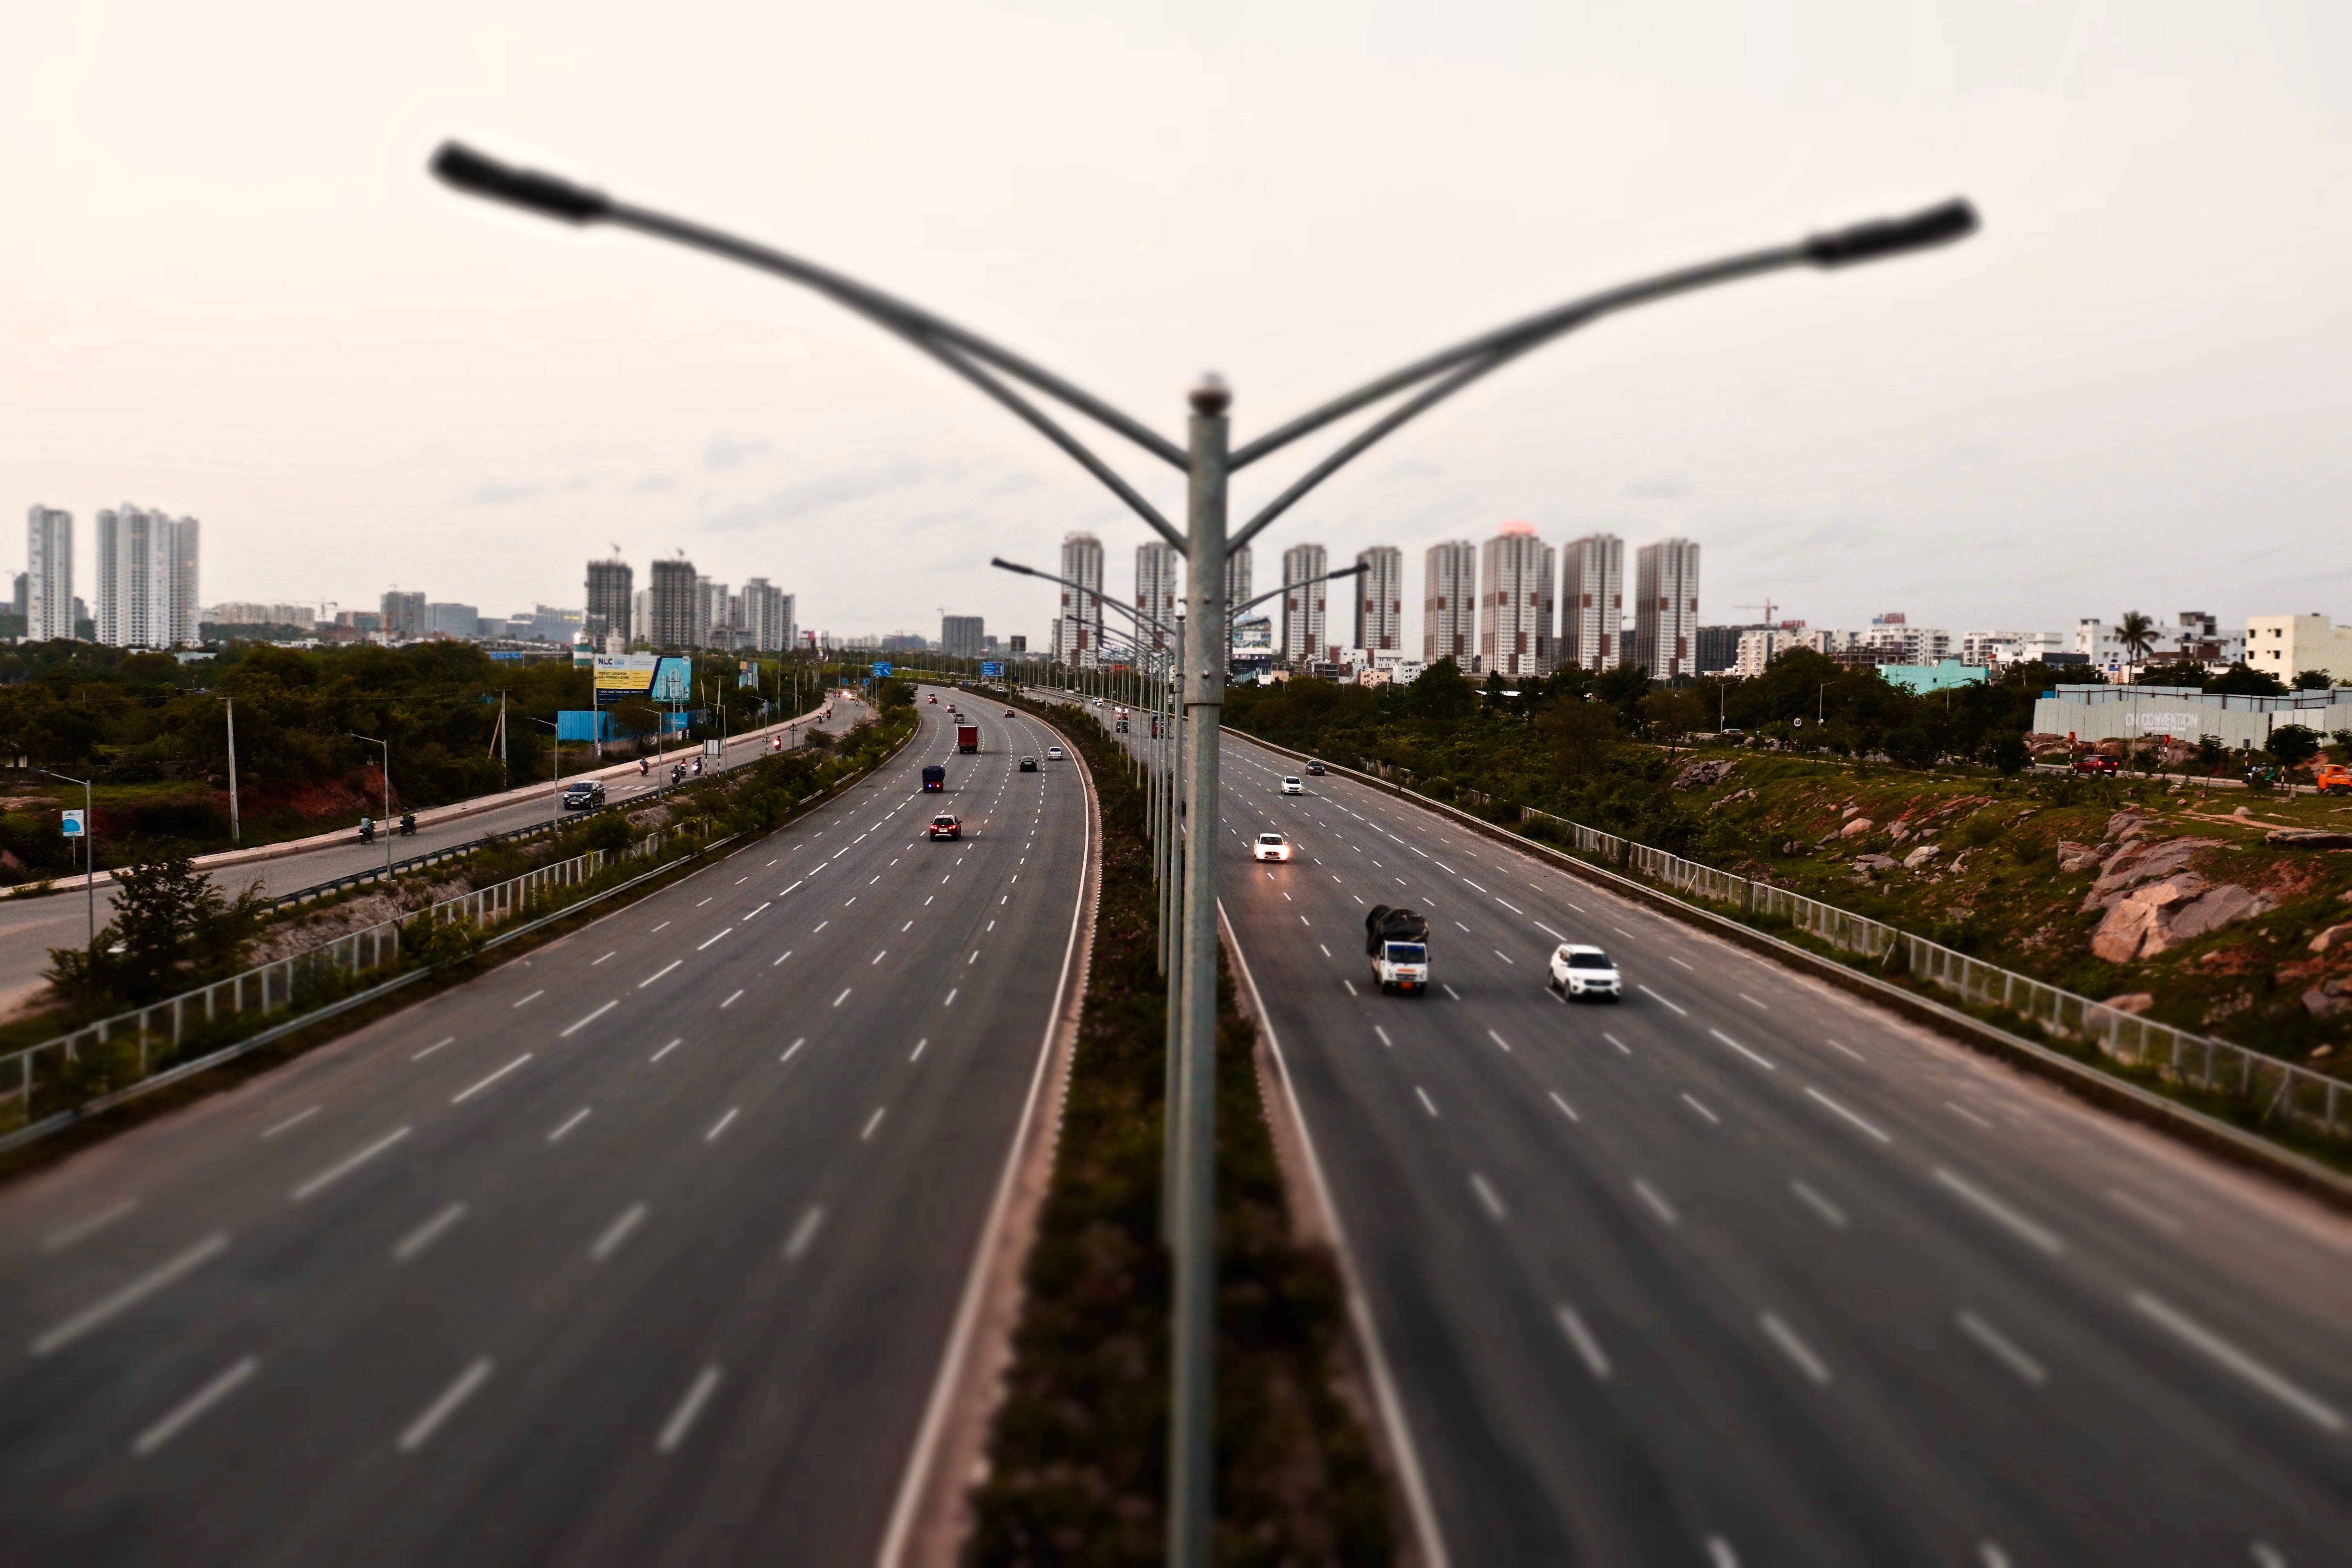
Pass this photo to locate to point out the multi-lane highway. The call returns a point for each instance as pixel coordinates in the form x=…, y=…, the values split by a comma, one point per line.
x=30, y=927
x=1745, y=1272
x=646, y=1247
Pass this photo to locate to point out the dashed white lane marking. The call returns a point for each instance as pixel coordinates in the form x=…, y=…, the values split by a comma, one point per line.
x=1713, y=1120
x=1426, y=1103
x=1965, y=1114
x=1565, y=1107
x=1743, y=1050
x=1653, y=996
x=204, y=1399
x=1752, y=1001
x=1657, y=1204
x=1487, y=1199
x=1794, y=1347
x=2004, y=1350
x=1841, y=1046
x=334, y=1173
x=802, y=1234
x=294, y=1120
x=88, y=1225
x=1623, y=1049
x=533, y=997
x=425, y=1235
x=1587, y=1347
x=1498, y=1039
x=1820, y=1204
x=1992, y=1207
x=1719, y=1554
x=720, y=1125
x=666, y=1049
x=729, y=932
x=574, y=1120
x=657, y=974
x=844, y=996
x=2310, y=1406
x=1867, y=1127
x=131, y=1295
x=441, y=1409
x=871, y=1122
x=780, y=957
x=436, y=1046
x=583, y=1023
x=729, y=1002
x=1671, y=959
x=681, y=1420
x=463, y=1095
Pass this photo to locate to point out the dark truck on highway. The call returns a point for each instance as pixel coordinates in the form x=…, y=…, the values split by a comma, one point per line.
x=935, y=777
x=1397, y=941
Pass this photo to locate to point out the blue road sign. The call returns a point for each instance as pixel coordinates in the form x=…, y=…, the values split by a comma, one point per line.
x=74, y=827
x=991, y=670
x=881, y=668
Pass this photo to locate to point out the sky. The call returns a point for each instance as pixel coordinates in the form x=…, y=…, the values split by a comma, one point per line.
x=230, y=290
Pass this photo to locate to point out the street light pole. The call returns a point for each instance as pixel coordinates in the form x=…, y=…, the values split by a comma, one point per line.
x=1207, y=461
x=89, y=850
x=235, y=829
x=383, y=824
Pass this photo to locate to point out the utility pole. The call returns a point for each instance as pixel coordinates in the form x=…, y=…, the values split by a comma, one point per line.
x=235, y=830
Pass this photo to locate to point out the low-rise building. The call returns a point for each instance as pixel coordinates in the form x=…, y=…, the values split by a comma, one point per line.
x=2185, y=713
x=2286, y=645
x=1940, y=676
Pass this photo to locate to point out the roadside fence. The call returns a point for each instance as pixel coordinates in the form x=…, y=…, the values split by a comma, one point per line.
x=150, y=1036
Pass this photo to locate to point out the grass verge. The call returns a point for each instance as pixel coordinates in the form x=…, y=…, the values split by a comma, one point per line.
x=1078, y=1451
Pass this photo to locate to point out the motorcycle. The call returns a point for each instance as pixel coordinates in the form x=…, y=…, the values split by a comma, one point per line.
x=407, y=823
x=643, y=767
x=367, y=830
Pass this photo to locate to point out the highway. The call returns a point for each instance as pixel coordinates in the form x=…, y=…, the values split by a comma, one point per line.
x=1745, y=1272
x=645, y=1247
x=30, y=927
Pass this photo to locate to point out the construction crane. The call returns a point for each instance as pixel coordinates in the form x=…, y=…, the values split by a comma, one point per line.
x=1767, y=607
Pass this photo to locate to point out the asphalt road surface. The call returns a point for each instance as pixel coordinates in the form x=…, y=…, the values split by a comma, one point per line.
x=643, y=1248
x=1743, y=1271
x=30, y=927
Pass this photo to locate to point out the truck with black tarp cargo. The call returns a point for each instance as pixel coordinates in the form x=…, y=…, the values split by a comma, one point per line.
x=1397, y=941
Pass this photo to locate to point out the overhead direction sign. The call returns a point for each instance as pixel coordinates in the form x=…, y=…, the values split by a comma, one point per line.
x=881, y=668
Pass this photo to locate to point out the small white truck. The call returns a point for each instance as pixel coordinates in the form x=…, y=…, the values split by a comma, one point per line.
x=1397, y=941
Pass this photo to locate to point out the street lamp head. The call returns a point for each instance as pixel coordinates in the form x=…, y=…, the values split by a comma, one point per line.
x=1212, y=395
x=1001, y=564
x=1955, y=220
x=468, y=171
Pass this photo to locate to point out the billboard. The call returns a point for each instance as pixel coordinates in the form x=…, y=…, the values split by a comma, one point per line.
x=992, y=669
x=881, y=667
x=641, y=678
x=747, y=674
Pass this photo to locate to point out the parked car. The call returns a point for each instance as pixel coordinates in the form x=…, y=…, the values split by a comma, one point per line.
x=1291, y=784
x=586, y=795
x=1028, y=765
x=1270, y=847
x=945, y=826
x=1578, y=970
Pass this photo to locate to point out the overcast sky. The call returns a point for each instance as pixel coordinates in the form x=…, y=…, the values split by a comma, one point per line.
x=229, y=290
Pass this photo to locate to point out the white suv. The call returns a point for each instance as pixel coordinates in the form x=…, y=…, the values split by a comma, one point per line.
x=1580, y=971
x=1271, y=847
x=1292, y=784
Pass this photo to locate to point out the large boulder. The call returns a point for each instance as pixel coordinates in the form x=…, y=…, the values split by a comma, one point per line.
x=2306, y=838
x=2143, y=862
x=1854, y=829
x=2072, y=856
x=2154, y=918
x=1704, y=774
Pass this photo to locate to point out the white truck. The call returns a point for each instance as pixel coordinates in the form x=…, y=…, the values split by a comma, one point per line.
x=1397, y=941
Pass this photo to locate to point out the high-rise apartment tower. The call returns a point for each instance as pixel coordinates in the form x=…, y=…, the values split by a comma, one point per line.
x=611, y=586
x=1305, y=625
x=1449, y=623
x=1380, y=599
x=1515, y=604
x=48, y=574
x=1592, y=602
x=1077, y=629
x=674, y=606
x=1665, y=608
x=146, y=578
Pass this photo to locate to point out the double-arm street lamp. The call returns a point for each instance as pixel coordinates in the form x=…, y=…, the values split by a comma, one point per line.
x=1208, y=461
x=384, y=827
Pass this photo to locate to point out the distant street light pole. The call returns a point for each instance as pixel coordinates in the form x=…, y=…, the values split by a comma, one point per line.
x=1207, y=460
x=383, y=826
x=235, y=830
x=89, y=850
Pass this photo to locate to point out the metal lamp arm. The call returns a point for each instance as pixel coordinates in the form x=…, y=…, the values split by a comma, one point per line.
x=1238, y=610
x=1004, y=565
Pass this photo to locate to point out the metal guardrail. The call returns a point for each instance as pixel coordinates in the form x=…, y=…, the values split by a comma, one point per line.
x=159, y=1029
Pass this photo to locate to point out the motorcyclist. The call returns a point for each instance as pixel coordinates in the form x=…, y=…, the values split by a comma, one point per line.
x=644, y=767
x=698, y=767
x=367, y=829
x=408, y=823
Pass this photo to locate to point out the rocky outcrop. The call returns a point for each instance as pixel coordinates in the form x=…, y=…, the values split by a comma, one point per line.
x=2183, y=907
x=2329, y=997
x=1705, y=774
x=1921, y=855
x=2072, y=856
x=2334, y=936
x=2144, y=860
x=2306, y=838
x=1854, y=829
x=1875, y=862
x=2135, y=1002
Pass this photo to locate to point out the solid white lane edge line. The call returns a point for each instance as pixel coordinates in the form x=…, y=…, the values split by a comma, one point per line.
x=131, y=1295
x=442, y=1408
x=204, y=1399
x=334, y=1173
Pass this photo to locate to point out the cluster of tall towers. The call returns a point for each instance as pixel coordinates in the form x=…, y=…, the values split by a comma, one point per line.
x=146, y=577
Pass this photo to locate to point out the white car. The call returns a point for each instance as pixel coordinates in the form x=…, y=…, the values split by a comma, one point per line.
x=1271, y=847
x=1293, y=784
x=1580, y=971
x=1053, y=754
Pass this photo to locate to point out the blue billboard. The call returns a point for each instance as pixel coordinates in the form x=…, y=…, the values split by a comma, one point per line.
x=992, y=669
x=881, y=667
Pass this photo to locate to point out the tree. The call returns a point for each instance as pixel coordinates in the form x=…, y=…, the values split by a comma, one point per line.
x=2313, y=680
x=2294, y=744
x=1441, y=691
x=2243, y=679
x=2186, y=672
x=2137, y=632
x=172, y=929
x=2010, y=754
x=1581, y=733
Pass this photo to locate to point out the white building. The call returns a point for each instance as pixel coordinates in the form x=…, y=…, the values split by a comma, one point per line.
x=1515, y=603
x=1157, y=587
x=1449, y=621
x=1380, y=598
x=48, y=574
x=146, y=579
x=1999, y=651
x=1902, y=643
x=961, y=636
x=767, y=617
x=2286, y=645
x=1077, y=630
x=1665, y=608
x=1238, y=580
x=1305, y=625
x=1592, y=602
x=1759, y=647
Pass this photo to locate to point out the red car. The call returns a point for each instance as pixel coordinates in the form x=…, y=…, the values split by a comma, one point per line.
x=945, y=826
x=2097, y=763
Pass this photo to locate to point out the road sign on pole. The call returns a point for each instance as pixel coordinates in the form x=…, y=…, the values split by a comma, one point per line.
x=992, y=669
x=74, y=825
x=881, y=668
